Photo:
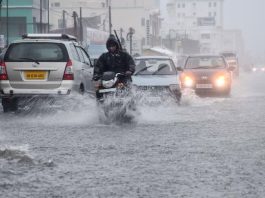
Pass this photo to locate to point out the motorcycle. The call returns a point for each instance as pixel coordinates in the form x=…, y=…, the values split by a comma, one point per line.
x=115, y=97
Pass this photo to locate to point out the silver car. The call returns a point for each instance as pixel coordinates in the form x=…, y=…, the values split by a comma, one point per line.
x=42, y=64
x=157, y=76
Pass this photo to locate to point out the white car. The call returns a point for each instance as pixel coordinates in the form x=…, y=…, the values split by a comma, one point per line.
x=42, y=64
x=157, y=76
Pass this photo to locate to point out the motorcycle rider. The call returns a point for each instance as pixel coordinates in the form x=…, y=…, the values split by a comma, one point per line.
x=114, y=60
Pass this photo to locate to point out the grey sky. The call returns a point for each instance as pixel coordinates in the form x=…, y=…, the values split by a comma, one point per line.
x=249, y=16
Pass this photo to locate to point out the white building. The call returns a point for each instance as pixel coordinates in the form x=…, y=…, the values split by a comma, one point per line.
x=200, y=20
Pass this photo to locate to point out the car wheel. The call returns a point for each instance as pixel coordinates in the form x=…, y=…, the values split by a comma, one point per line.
x=10, y=104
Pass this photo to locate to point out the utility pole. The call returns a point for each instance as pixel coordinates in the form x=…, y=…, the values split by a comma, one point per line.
x=0, y=10
x=48, y=16
x=40, y=16
x=75, y=23
x=130, y=34
x=64, y=24
x=7, y=23
x=121, y=31
x=81, y=26
x=110, y=23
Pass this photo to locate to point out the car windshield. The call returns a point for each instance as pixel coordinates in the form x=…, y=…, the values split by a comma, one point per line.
x=154, y=66
x=205, y=63
x=41, y=52
x=96, y=50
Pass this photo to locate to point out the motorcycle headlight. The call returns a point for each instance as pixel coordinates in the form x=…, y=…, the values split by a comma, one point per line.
x=188, y=81
x=108, y=83
x=220, y=81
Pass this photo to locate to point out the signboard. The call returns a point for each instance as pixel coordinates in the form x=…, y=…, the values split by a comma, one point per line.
x=206, y=21
x=2, y=41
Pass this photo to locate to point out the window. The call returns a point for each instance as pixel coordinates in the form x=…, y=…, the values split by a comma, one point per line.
x=194, y=13
x=80, y=54
x=207, y=61
x=155, y=66
x=74, y=53
x=42, y=52
x=179, y=5
x=86, y=58
x=209, y=14
x=183, y=5
x=214, y=14
x=214, y=4
x=210, y=4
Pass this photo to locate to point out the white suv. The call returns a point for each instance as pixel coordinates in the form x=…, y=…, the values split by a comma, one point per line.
x=42, y=64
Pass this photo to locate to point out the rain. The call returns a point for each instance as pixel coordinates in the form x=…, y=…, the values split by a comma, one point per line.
x=137, y=141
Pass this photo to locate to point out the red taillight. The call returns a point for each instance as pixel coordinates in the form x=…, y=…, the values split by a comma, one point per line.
x=68, y=72
x=3, y=73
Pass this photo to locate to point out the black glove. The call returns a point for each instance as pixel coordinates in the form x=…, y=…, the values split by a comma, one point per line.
x=95, y=78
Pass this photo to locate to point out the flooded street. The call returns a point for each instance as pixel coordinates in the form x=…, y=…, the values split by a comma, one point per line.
x=206, y=147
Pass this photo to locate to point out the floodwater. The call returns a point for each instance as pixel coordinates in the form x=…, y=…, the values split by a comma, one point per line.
x=205, y=147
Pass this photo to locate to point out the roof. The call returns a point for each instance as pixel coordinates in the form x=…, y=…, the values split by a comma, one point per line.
x=50, y=36
x=204, y=55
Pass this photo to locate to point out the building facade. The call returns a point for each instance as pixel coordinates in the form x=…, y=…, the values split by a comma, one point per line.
x=194, y=20
x=143, y=16
x=20, y=17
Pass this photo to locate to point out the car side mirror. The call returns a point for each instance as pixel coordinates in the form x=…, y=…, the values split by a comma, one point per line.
x=180, y=69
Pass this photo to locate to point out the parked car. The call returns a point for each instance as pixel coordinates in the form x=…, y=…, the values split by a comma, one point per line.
x=157, y=76
x=42, y=64
x=232, y=60
x=258, y=68
x=207, y=74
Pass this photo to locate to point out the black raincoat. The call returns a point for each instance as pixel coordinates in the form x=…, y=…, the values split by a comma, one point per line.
x=118, y=62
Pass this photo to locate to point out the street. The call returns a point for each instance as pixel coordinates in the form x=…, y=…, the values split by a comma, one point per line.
x=206, y=147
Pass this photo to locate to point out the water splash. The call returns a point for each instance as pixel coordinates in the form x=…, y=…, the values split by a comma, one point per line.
x=19, y=154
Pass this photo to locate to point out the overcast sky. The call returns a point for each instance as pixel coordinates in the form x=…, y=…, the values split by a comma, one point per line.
x=249, y=16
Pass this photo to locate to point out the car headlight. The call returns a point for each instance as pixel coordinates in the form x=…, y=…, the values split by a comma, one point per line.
x=263, y=69
x=254, y=69
x=108, y=83
x=220, y=81
x=188, y=81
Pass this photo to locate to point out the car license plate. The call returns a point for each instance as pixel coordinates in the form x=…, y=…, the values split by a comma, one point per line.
x=204, y=86
x=35, y=75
